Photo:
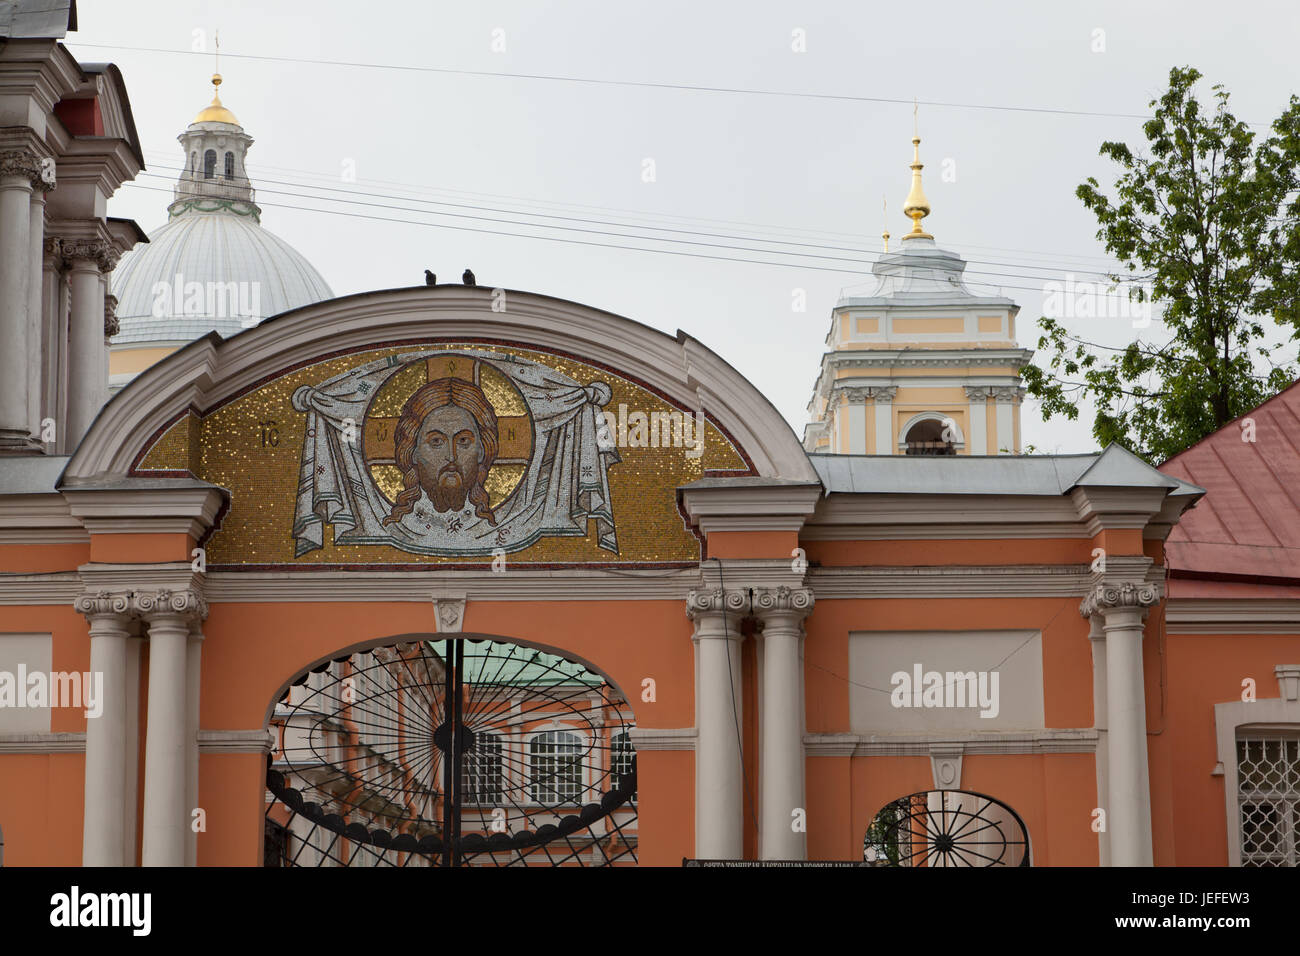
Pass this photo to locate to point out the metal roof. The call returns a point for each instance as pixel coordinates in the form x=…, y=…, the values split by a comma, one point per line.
x=1248, y=524
x=987, y=475
x=37, y=19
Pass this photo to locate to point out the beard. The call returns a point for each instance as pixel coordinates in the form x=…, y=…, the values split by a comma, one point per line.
x=448, y=489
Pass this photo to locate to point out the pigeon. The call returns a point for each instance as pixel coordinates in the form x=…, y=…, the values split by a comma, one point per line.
x=430, y=278
x=468, y=278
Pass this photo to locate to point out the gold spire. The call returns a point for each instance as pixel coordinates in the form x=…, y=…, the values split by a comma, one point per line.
x=884, y=208
x=916, y=207
x=215, y=112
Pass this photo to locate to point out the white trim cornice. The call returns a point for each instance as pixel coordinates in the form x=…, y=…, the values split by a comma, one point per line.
x=57, y=587
x=950, y=581
x=657, y=738
x=235, y=741
x=42, y=743
x=922, y=745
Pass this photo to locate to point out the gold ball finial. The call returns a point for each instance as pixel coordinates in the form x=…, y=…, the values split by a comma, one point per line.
x=916, y=207
x=216, y=79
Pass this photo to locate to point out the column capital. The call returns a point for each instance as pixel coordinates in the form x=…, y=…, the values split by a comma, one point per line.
x=977, y=393
x=98, y=251
x=1007, y=393
x=708, y=603
x=104, y=604
x=27, y=163
x=854, y=395
x=1128, y=594
x=164, y=602
x=783, y=599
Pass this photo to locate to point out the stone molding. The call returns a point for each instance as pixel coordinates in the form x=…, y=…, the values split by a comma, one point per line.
x=449, y=613
x=236, y=741
x=925, y=745
x=1107, y=597
x=978, y=393
x=1007, y=394
x=111, y=324
x=657, y=738
x=42, y=743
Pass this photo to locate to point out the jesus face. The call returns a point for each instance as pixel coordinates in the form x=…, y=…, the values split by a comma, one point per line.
x=447, y=454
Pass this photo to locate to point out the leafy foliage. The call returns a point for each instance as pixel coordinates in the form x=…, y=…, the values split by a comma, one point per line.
x=1206, y=227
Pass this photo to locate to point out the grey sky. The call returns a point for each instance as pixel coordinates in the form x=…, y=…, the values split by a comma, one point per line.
x=798, y=169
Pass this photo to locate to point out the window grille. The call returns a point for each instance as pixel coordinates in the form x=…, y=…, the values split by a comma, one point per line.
x=1268, y=800
x=556, y=765
x=482, y=781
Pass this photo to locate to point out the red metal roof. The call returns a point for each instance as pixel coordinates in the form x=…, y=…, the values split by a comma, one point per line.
x=1247, y=527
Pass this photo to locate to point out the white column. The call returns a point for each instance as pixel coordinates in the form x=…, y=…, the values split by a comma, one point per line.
x=103, y=840
x=87, y=355
x=1128, y=815
x=783, y=810
x=1006, y=437
x=719, y=776
x=978, y=440
x=857, y=412
x=131, y=758
x=1100, y=720
x=18, y=170
x=35, y=314
x=166, y=816
x=193, y=670
x=886, y=440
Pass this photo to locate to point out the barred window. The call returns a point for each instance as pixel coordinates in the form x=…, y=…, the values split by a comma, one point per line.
x=620, y=759
x=555, y=767
x=1268, y=798
x=482, y=771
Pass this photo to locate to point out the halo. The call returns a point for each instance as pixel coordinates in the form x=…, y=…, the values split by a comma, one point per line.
x=514, y=422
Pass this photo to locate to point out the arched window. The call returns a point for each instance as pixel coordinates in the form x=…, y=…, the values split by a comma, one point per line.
x=621, y=755
x=482, y=781
x=209, y=164
x=931, y=437
x=230, y=165
x=555, y=767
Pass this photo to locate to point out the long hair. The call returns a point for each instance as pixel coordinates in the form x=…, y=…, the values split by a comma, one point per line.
x=436, y=394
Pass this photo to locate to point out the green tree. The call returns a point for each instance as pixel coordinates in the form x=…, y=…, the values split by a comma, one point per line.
x=1205, y=227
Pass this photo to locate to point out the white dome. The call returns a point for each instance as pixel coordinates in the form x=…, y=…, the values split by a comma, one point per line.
x=209, y=270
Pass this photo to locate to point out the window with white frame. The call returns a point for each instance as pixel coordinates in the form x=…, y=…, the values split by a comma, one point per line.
x=620, y=758
x=555, y=767
x=1268, y=799
x=482, y=782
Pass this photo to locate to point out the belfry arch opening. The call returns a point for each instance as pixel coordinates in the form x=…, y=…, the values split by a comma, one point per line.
x=450, y=751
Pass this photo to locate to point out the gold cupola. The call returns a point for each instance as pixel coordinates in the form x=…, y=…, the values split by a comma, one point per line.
x=916, y=207
x=214, y=112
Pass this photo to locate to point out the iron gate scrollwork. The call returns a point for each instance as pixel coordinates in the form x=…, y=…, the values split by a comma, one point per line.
x=451, y=753
x=946, y=828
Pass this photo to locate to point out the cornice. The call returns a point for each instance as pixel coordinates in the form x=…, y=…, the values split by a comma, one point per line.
x=922, y=745
x=1232, y=616
x=58, y=588
x=141, y=508
x=658, y=738
x=42, y=743
x=742, y=506
x=235, y=741
x=950, y=581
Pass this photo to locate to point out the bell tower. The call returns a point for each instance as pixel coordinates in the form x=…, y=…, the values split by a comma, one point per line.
x=215, y=146
x=922, y=365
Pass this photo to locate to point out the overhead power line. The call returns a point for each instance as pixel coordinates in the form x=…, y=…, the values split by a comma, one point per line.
x=641, y=84
x=570, y=241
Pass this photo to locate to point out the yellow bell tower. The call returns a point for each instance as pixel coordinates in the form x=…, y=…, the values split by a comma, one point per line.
x=922, y=365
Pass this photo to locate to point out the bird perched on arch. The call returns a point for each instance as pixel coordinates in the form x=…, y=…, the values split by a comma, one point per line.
x=430, y=278
x=468, y=278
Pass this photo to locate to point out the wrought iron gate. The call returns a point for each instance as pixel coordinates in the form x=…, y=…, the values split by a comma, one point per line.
x=946, y=828
x=450, y=753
